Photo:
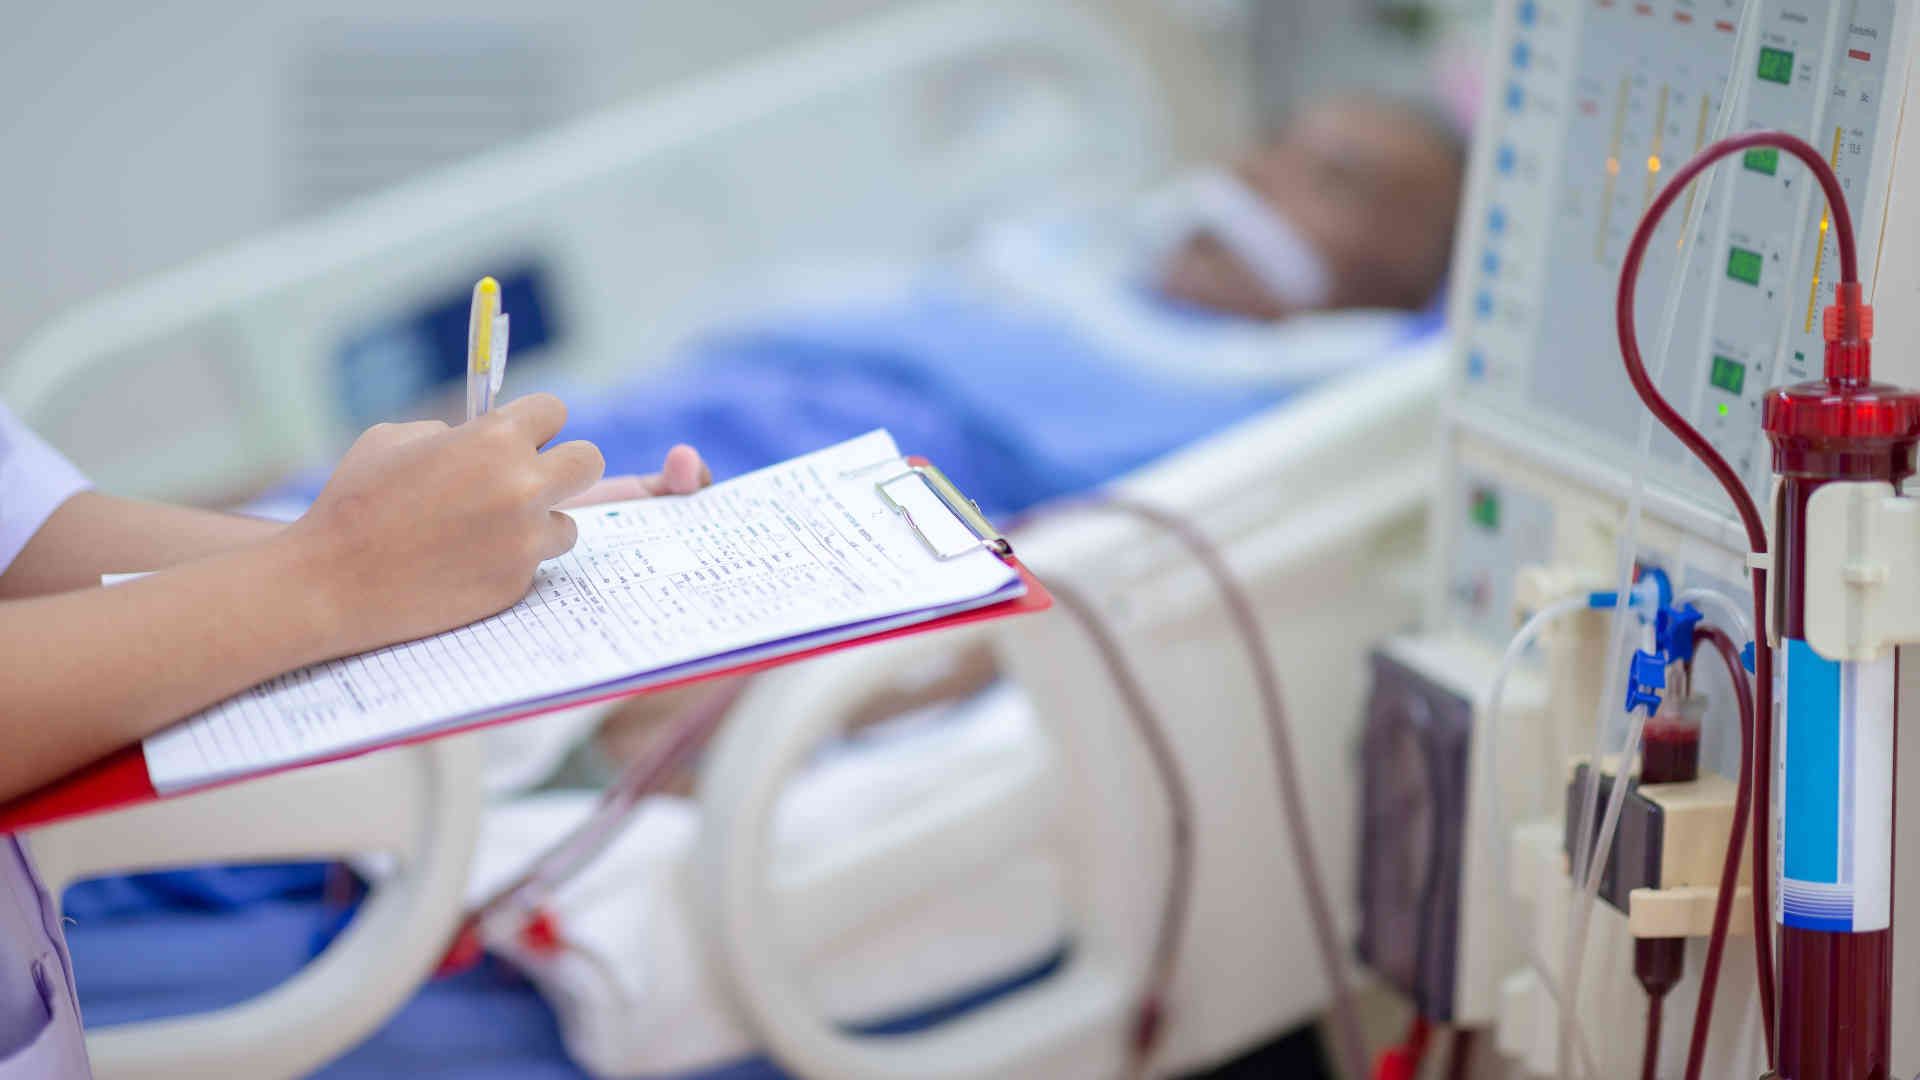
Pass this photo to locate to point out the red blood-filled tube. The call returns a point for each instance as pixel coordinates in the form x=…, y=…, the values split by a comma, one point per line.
x=1670, y=750
x=1832, y=866
x=1669, y=754
x=1833, y=859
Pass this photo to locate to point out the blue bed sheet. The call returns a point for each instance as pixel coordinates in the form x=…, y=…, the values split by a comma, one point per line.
x=157, y=945
x=1016, y=405
x=1019, y=406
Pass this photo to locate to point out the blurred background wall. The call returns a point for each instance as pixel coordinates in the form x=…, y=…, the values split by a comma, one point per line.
x=139, y=135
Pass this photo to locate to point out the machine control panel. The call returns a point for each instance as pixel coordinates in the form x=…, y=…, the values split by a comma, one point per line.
x=1496, y=526
x=1594, y=101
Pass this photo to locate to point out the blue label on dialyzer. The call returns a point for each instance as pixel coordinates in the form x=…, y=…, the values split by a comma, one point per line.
x=1836, y=792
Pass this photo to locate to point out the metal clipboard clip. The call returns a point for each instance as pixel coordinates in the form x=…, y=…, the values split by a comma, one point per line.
x=963, y=508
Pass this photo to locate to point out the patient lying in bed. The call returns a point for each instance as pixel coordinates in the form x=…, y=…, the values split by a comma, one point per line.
x=1065, y=353
x=1055, y=360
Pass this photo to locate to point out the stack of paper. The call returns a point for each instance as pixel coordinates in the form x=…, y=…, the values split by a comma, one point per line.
x=790, y=558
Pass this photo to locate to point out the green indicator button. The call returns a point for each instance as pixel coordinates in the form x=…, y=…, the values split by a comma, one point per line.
x=1744, y=265
x=1729, y=375
x=1485, y=510
x=1776, y=65
x=1722, y=409
x=1762, y=159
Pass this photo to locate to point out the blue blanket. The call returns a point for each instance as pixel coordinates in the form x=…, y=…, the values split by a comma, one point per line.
x=157, y=945
x=150, y=946
x=1016, y=406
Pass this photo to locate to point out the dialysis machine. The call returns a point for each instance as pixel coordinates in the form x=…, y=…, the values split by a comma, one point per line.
x=1592, y=105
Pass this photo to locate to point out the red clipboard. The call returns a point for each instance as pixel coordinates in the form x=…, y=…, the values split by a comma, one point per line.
x=120, y=779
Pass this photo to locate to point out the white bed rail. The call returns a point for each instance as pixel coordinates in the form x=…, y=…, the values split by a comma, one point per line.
x=1319, y=508
x=419, y=804
x=884, y=140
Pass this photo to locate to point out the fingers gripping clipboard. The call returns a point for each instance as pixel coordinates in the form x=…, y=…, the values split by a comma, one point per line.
x=920, y=522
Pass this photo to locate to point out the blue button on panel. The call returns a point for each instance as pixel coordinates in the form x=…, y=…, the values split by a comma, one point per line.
x=1476, y=365
x=1490, y=263
x=1528, y=12
x=1516, y=98
x=1521, y=54
x=1504, y=157
x=1483, y=304
x=1496, y=221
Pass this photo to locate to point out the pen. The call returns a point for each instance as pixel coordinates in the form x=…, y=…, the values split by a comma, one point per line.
x=486, y=347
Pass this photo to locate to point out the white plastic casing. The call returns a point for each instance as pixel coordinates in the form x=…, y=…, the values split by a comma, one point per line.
x=1862, y=581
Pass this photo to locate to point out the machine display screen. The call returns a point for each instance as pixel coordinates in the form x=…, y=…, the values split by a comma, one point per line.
x=1776, y=65
x=1744, y=265
x=1485, y=510
x=1729, y=375
x=1612, y=98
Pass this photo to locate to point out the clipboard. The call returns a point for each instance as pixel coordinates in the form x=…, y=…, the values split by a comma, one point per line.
x=121, y=780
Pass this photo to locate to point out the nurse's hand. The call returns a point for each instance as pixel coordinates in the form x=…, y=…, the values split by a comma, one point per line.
x=683, y=473
x=424, y=527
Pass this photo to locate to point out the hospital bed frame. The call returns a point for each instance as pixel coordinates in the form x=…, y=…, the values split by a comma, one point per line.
x=419, y=805
x=1319, y=507
x=914, y=127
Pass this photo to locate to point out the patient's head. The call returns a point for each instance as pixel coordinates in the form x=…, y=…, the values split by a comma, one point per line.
x=1370, y=185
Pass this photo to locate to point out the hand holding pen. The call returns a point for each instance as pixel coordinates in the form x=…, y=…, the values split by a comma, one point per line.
x=682, y=473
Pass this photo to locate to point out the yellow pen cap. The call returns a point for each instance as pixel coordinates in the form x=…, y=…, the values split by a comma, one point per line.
x=486, y=305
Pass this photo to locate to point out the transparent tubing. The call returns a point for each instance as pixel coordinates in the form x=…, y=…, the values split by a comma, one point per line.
x=1721, y=610
x=1596, y=862
x=1496, y=830
x=1720, y=607
x=1590, y=855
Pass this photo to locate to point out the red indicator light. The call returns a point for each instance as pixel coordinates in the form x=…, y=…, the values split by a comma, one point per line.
x=1643, y=9
x=1682, y=17
x=1860, y=54
x=1723, y=26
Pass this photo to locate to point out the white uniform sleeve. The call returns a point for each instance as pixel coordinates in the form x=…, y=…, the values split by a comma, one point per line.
x=34, y=481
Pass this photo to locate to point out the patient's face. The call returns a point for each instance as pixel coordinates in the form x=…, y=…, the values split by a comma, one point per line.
x=1374, y=189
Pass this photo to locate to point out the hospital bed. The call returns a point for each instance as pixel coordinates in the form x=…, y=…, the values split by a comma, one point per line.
x=643, y=225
